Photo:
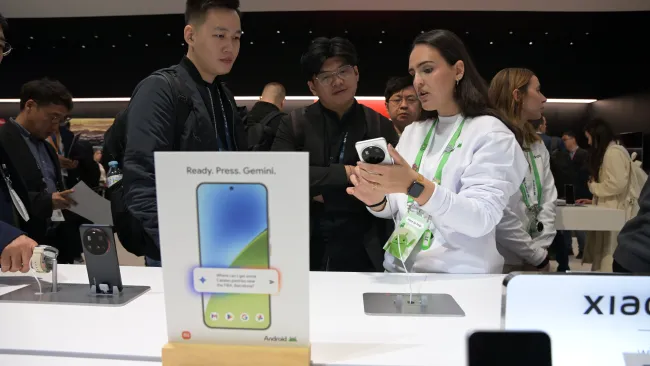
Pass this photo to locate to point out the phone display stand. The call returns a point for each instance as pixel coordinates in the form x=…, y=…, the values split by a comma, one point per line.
x=404, y=304
x=179, y=354
x=68, y=293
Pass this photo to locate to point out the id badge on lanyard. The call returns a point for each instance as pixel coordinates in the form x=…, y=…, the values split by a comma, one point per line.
x=15, y=199
x=414, y=228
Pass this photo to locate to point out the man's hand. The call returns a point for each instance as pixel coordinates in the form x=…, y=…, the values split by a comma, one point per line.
x=16, y=256
x=60, y=200
x=319, y=198
x=67, y=163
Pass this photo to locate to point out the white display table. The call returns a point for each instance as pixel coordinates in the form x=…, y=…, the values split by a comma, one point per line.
x=589, y=218
x=341, y=333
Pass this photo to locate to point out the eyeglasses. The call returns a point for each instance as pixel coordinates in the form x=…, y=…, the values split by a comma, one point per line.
x=409, y=100
x=5, y=48
x=327, y=78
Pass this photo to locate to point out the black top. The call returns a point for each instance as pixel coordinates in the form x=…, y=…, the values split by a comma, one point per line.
x=215, y=99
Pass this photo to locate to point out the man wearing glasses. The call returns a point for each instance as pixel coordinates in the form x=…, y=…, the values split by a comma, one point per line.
x=344, y=236
x=33, y=166
x=402, y=102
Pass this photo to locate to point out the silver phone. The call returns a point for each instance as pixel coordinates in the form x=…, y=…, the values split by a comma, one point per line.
x=374, y=151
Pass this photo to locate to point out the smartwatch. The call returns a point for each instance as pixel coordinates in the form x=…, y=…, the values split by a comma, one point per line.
x=417, y=187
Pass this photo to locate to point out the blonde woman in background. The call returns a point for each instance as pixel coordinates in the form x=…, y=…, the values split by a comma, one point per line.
x=528, y=226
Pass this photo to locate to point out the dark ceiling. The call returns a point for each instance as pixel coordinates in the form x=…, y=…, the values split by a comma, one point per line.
x=576, y=55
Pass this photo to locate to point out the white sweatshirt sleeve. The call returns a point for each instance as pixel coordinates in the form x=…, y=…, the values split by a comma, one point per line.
x=497, y=167
x=547, y=215
x=512, y=235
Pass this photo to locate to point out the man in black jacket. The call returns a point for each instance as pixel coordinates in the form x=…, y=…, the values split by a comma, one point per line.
x=633, y=251
x=212, y=32
x=33, y=166
x=344, y=235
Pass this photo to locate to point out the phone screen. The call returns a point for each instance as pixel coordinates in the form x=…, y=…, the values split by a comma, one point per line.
x=234, y=233
x=507, y=348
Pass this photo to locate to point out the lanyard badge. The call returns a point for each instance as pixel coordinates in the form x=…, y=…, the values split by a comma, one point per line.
x=15, y=199
x=535, y=227
x=414, y=228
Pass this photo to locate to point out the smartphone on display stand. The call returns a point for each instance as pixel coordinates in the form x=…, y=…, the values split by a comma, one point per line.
x=234, y=233
x=569, y=194
x=374, y=151
x=100, y=255
x=509, y=348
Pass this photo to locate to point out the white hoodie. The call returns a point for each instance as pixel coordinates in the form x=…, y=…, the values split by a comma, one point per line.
x=513, y=240
x=482, y=172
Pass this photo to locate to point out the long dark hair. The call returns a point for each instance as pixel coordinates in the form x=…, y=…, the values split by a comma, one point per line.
x=601, y=136
x=471, y=94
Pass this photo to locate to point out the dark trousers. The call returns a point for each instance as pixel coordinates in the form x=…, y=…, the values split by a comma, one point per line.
x=561, y=251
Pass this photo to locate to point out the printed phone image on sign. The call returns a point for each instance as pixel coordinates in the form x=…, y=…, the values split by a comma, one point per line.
x=234, y=233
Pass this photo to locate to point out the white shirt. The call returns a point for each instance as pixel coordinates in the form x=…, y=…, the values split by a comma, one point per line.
x=482, y=172
x=513, y=240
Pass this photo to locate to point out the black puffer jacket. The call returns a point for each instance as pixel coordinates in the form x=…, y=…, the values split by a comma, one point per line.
x=151, y=127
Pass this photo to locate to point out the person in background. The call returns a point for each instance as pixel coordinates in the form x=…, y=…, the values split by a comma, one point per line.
x=528, y=226
x=579, y=158
x=56, y=139
x=97, y=157
x=16, y=248
x=344, y=236
x=455, y=172
x=632, y=255
x=402, y=102
x=609, y=169
x=213, y=34
x=263, y=120
x=34, y=162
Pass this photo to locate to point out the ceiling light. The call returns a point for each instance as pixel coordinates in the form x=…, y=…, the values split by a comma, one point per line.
x=421, y=32
x=309, y=32
x=511, y=32
x=146, y=44
x=546, y=33
x=169, y=34
x=587, y=33
x=570, y=43
x=466, y=32
x=30, y=37
x=530, y=43
x=282, y=42
x=491, y=42
x=96, y=36
x=251, y=42
x=129, y=35
x=380, y=42
x=278, y=32
x=83, y=46
x=113, y=46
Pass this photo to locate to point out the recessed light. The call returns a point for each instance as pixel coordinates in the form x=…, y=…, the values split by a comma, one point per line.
x=587, y=33
x=278, y=32
x=511, y=32
x=491, y=42
x=382, y=32
x=62, y=37
x=571, y=43
x=30, y=37
x=96, y=36
x=380, y=42
x=530, y=43
x=146, y=44
x=251, y=42
x=169, y=34
x=113, y=46
x=546, y=33
x=466, y=32
x=83, y=46
x=29, y=48
x=129, y=35
x=421, y=32
x=309, y=32
x=282, y=42
x=346, y=31
x=182, y=44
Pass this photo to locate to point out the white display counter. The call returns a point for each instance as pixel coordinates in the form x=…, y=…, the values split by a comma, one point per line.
x=589, y=218
x=341, y=333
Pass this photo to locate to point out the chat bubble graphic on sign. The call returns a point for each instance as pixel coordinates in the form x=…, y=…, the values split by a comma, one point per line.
x=236, y=280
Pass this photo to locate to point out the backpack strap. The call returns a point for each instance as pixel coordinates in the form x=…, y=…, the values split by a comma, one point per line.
x=298, y=121
x=183, y=103
x=270, y=117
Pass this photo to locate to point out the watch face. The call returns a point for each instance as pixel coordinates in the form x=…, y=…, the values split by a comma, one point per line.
x=415, y=190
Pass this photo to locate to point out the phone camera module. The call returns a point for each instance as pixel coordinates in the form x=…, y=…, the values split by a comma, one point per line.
x=373, y=155
x=96, y=242
x=232, y=188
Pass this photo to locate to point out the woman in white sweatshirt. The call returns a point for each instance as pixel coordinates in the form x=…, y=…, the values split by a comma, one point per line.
x=528, y=225
x=456, y=170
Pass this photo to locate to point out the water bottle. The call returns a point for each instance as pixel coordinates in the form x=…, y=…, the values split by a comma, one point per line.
x=114, y=174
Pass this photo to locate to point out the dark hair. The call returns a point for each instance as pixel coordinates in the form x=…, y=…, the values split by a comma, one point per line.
x=601, y=136
x=471, y=94
x=45, y=92
x=196, y=9
x=3, y=24
x=570, y=134
x=397, y=84
x=323, y=48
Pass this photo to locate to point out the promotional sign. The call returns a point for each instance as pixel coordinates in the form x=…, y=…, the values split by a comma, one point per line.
x=592, y=319
x=234, y=237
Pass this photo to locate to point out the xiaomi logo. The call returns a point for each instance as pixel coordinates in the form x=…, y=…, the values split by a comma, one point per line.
x=186, y=335
x=625, y=305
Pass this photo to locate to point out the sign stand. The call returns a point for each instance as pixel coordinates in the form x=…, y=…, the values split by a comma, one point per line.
x=180, y=354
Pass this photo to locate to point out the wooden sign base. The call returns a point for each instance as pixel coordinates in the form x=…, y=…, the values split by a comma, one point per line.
x=178, y=354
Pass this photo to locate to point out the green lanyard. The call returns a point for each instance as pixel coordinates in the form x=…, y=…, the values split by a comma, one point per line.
x=538, y=184
x=445, y=155
x=428, y=235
